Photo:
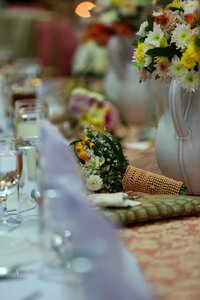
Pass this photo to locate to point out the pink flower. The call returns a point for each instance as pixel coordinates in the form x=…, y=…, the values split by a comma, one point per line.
x=144, y=74
x=162, y=69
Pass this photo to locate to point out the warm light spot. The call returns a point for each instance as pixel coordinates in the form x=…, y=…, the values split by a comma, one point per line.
x=83, y=9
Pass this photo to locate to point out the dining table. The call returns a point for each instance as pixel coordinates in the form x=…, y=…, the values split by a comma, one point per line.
x=23, y=255
x=167, y=251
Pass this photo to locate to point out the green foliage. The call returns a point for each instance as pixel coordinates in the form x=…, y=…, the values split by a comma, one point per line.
x=102, y=146
x=169, y=51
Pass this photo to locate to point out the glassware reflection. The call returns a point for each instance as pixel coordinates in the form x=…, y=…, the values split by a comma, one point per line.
x=10, y=173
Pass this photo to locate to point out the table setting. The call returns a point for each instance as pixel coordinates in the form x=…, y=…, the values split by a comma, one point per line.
x=74, y=267
x=93, y=206
x=120, y=209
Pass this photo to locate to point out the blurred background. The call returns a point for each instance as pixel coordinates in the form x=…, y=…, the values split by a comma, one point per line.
x=49, y=40
x=41, y=29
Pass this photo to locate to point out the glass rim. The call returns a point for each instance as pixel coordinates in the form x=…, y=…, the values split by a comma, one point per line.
x=7, y=138
x=14, y=141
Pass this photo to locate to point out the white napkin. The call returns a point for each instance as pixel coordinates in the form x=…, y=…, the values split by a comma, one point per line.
x=112, y=200
x=97, y=250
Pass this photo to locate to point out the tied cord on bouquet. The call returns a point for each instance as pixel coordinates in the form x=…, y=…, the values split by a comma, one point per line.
x=113, y=273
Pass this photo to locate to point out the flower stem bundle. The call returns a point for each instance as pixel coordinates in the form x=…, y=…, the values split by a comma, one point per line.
x=107, y=170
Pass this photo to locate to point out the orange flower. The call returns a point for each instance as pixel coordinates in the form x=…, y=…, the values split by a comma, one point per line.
x=163, y=20
x=81, y=151
x=191, y=19
x=101, y=33
x=91, y=144
x=124, y=28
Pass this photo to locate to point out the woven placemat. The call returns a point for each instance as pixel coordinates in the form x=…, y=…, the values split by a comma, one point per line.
x=155, y=207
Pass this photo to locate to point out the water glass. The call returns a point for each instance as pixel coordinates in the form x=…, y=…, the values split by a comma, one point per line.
x=27, y=115
x=11, y=166
x=20, y=87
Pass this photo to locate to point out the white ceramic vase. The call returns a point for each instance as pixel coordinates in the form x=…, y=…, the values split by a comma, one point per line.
x=178, y=138
x=122, y=85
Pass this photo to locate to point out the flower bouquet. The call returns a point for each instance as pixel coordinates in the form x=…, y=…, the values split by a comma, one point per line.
x=90, y=60
x=113, y=17
x=106, y=169
x=109, y=18
x=167, y=44
x=91, y=108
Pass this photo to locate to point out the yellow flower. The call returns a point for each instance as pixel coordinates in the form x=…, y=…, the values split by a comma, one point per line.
x=191, y=56
x=139, y=53
x=163, y=43
x=162, y=59
x=94, y=116
x=176, y=3
x=116, y=2
x=91, y=144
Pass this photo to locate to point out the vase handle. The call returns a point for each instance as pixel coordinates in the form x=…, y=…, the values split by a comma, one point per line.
x=176, y=109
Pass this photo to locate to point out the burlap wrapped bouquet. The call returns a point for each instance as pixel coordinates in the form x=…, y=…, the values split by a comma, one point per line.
x=106, y=169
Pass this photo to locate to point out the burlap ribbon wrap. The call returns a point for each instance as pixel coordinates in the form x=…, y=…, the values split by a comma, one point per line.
x=146, y=182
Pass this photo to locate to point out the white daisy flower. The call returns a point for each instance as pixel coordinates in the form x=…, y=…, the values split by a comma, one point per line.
x=177, y=69
x=190, y=6
x=108, y=17
x=94, y=183
x=181, y=35
x=97, y=96
x=102, y=5
x=148, y=60
x=157, y=13
x=96, y=162
x=190, y=81
x=154, y=37
x=127, y=7
x=142, y=30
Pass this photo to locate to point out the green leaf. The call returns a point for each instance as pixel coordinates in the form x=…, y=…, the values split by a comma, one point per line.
x=150, y=21
x=135, y=42
x=168, y=51
x=78, y=157
x=139, y=40
x=176, y=8
x=138, y=65
x=116, y=152
x=183, y=190
x=75, y=142
x=198, y=42
x=96, y=151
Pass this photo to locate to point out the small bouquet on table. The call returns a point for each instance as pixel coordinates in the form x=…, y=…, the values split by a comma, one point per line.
x=106, y=169
x=89, y=108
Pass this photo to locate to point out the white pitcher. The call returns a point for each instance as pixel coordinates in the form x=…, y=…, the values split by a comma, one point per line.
x=178, y=138
x=122, y=82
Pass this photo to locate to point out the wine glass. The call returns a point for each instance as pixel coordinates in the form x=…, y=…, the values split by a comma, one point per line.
x=55, y=234
x=10, y=173
x=27, y=117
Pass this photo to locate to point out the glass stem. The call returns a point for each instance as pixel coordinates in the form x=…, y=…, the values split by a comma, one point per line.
x=2, y=206
x=18, y=211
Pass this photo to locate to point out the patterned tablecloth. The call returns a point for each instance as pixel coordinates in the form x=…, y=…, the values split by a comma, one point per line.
x=168, y=252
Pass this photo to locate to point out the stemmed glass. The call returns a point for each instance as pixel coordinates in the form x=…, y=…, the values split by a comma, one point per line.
x=10, y=173
x=26, y=118
x=56, y=236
